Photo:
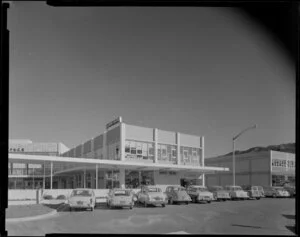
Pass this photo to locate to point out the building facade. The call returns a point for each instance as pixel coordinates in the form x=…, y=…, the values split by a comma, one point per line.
x=130, y=143
x=265, y=168
x=26, y=175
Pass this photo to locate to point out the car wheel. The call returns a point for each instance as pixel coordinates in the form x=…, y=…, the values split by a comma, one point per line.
x=131, y=207
x=71, y=209
x=145, y=204
x=257, y=198
x=208, y=201
x=194, y=200
x=274, y=195
x=187, y=203
x=92, y=208
x=163, y=205
x=171, y=201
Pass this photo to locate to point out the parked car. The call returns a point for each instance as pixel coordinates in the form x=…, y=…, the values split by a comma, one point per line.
x=82, y=199
x=220, y=194
x=120, y=198
x=152, y=195
x=261, y=191
x=291, y=190
x=236, y=192
x=252, y=191
x=200, y=194
x=275, y=192
x=177, y=194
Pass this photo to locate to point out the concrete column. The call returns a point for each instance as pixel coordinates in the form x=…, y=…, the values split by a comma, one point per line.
x=202, y=150
x=122, y=178
x=178, y=148
x=155, y=144
x=104, y=147
x=51, y=174
x=203, y=179
x=96, y=176
x=122, y=141
x=44, y=176
x=84, y=177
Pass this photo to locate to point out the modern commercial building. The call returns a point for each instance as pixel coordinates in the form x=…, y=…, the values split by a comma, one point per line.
x=127, y=155
x=265, y=168
x=30, y=175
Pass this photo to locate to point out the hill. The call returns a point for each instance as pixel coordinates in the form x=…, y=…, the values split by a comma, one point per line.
x=288, y=147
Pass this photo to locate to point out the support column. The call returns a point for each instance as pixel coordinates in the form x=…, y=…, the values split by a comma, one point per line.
x=96, y=176
x=122, y=142
x=44, y=185
x=203, y=179
x=84, y=178
x=51, y=174
x=202, y=151
x=178, y=148
x=155, y=144
x=122, y=178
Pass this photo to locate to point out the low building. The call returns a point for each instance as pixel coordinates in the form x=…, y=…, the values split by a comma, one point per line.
x=265, y=168
x=29, y=175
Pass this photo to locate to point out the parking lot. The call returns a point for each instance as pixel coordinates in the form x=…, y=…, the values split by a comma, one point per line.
x=266, y=216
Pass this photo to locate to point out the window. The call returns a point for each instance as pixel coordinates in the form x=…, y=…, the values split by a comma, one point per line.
x=133, y=150
x=127, y=147
x=174, y=153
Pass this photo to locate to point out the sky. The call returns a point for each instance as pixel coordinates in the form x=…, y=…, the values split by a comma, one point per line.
x=203, y=71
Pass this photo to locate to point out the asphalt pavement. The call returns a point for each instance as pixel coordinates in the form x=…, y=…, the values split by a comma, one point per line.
x=257, y=217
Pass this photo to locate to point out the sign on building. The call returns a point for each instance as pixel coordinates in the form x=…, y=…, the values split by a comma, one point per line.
x=114, y=122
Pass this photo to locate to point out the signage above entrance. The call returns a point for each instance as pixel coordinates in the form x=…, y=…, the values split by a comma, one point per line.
x=114, y=122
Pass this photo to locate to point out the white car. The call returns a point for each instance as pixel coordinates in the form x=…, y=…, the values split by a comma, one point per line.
x=152, y=195
x=236, y=192
x=200, y=194
x=282, y=192
x=82, y=199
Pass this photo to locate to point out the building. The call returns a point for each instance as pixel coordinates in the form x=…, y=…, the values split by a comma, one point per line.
x=27, y=175
x=126, y=156
x=265, y=168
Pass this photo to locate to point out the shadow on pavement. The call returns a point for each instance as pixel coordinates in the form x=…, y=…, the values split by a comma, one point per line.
x=289, y=216
x=291, y=228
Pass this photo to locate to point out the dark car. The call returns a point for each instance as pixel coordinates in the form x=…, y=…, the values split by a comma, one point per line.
x=253, y=191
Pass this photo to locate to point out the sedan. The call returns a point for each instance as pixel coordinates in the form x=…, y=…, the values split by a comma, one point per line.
x=275, y=192
x=220, y=194
x=236, y=192
x=177, y=194
x=82, y=199
x=151, y=195
x=120, y=198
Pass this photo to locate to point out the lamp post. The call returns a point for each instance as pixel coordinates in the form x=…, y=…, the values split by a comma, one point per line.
x=233, y=150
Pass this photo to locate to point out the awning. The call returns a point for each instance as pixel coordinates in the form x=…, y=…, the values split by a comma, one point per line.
x=87, y=163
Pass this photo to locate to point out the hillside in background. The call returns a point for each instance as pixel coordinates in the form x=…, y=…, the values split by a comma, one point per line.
x=288, y=147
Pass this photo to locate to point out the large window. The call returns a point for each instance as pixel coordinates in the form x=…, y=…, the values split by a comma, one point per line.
x=139, y=150
x=190, y=155
x=167, y=153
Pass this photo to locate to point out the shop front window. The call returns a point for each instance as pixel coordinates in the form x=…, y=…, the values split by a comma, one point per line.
x=112, y=179
x=139, y=150
x=132, y=179
x=147, y=178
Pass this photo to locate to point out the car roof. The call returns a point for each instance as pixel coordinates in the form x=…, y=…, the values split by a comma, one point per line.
x=150, y=186
x=86, y=189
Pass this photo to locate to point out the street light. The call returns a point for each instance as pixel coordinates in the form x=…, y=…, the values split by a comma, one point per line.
x=233, y=150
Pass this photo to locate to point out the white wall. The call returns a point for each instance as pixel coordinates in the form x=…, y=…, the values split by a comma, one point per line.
x=138, y=133
x=189, y=140
x=166, y=137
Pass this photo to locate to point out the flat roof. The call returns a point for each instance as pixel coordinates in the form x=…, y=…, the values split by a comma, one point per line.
x=110, y=164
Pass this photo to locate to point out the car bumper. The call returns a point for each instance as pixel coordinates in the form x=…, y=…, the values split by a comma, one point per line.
x=204, y=199
x=156, y=202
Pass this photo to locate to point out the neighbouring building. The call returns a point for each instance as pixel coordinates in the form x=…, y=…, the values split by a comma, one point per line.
x=265, y=168
x=26, y=175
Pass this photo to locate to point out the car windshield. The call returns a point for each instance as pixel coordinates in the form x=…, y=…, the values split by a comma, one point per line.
x=82, y=193
x=154, y=190
x=179, y=189
x=122, y=193
x=236, y=188
x=279, y=188
x=202, y=189
x=217, y=188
